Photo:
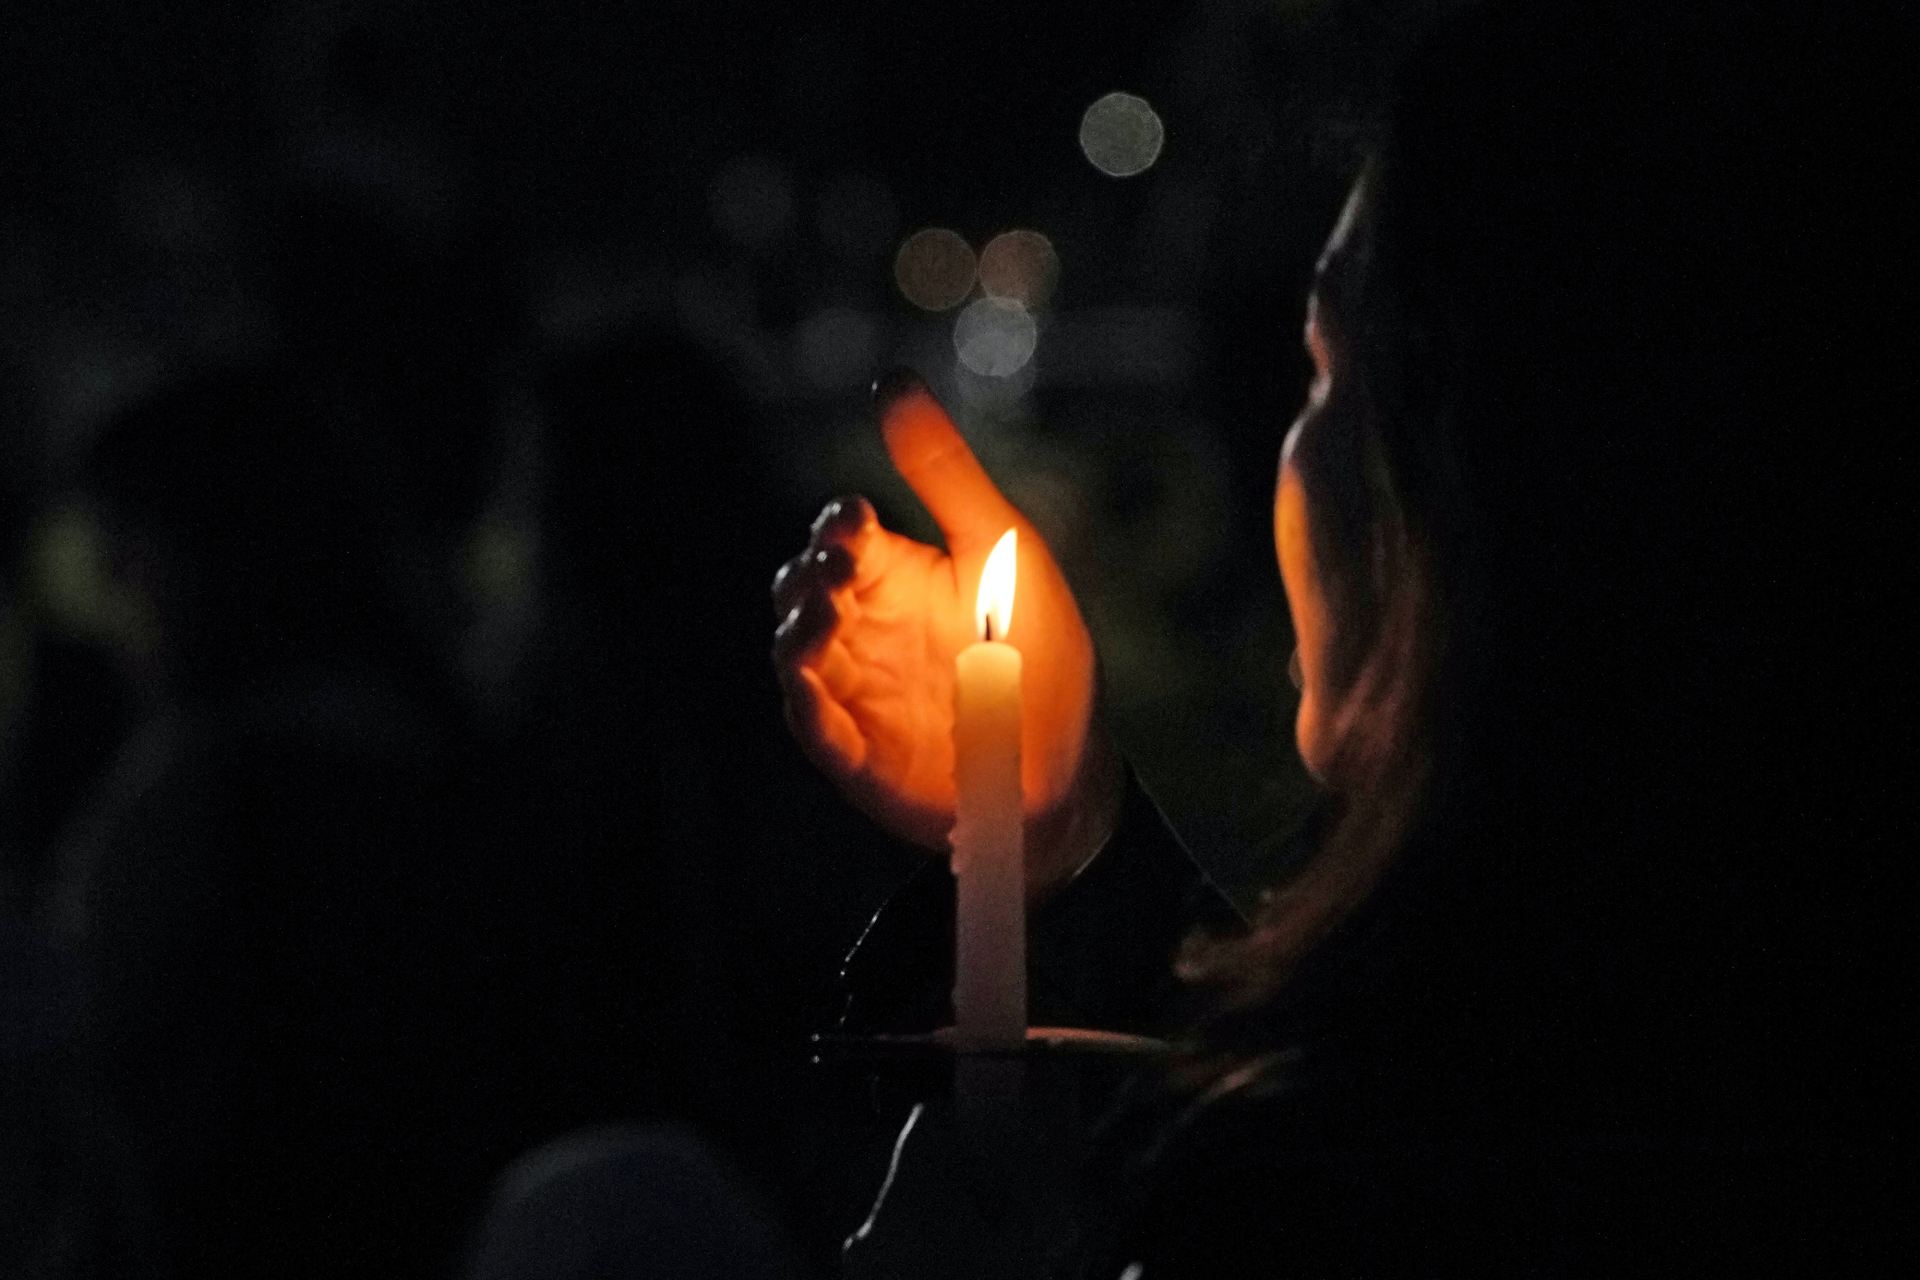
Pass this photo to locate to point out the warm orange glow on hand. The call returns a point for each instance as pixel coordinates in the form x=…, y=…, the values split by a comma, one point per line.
x=872, y=623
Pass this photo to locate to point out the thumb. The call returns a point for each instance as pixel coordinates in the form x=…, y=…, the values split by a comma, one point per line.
x=932, y=457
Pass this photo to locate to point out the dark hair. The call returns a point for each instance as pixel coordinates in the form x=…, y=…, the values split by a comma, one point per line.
x=1582, y=305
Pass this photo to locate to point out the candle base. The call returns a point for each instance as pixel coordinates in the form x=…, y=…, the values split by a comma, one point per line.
x=952, y=1042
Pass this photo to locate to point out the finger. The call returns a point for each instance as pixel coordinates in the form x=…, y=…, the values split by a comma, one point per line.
x=790, y=583
x=822, y=726
x=806, y=628
x=850, y=525
x=811, y=571
x=809, y=638
x=843, y=520
x=933, y=458
x=839, y=672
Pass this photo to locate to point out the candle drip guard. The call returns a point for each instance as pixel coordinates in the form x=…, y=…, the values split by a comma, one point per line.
x=831, y=1048
x=1005, y=1130
x=1073, y=1068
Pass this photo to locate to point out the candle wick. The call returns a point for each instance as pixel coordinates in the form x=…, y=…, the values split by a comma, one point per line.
x=989, y=628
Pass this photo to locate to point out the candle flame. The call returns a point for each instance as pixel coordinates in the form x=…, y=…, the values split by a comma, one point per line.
x=993, y=608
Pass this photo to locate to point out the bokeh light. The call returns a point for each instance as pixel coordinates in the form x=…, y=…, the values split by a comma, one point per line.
x=993, y=398
x=1121, y=135
x=500, y=565
x=935, y=269
x=995, y=337
x=1021, y=266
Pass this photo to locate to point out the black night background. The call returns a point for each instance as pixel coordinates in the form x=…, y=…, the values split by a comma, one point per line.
x=403, y=410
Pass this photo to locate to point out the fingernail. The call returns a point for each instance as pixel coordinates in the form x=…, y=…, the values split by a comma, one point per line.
x=854, y=512
x=895, y=385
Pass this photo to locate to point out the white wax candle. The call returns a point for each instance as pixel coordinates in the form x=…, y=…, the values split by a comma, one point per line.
x=990, y=963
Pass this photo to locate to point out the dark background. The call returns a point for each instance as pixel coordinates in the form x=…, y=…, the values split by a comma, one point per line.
x=682, y=162
x=715, y=194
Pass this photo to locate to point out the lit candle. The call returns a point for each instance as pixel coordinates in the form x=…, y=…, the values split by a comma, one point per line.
x=990, y=962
